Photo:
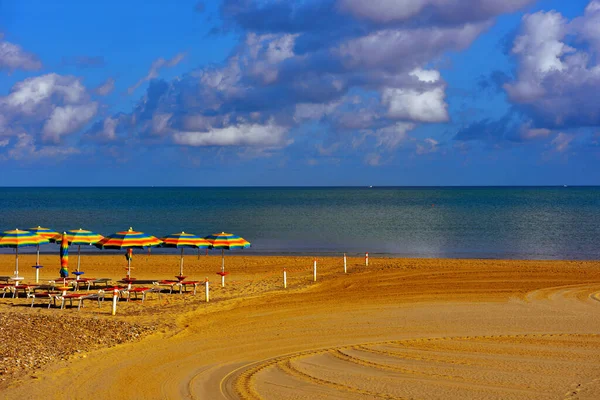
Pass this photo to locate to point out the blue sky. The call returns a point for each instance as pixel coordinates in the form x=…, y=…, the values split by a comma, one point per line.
x=327, y=92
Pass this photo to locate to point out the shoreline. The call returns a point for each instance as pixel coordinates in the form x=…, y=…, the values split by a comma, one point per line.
x=28, y=252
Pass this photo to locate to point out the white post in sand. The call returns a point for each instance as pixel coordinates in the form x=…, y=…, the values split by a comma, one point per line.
x=345, y=263
x=206, y=284
x=284, y=279
x=366, y=259
x=115, y=298
x=315, y=270
x=37, y=275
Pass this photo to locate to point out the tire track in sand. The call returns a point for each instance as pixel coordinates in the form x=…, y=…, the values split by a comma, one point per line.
x=418, y=370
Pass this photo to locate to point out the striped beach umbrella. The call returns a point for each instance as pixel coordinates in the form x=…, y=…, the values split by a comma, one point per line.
x=182, y=240
x=64, y=256
x=126, y=240
x=226, y=241
x=19, y=238
x=79, y=237
x=44, y=232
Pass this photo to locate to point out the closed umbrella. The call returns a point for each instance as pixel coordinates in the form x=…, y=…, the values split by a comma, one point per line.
x=19, y=238
x=182, y=240
x=226, y=241
x=64, y=256
x=126, y=240
x=79, y=237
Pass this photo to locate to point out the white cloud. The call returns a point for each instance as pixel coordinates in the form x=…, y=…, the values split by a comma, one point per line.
x=415, y=105
x=267, y=135
x=392, y=136
x=106, y=88
x=386, y=11
x=47, y=107
x=25, y=148
x=27, y=95
x=67, y=119
x=557, y=83
x=402, y=48
x=426, y=75
x=155, y=68
x=13, y=57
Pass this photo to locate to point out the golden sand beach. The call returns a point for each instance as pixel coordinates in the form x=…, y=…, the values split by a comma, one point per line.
x=397, y=329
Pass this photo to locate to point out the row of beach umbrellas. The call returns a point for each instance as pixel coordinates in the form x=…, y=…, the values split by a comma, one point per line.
x=124, y=240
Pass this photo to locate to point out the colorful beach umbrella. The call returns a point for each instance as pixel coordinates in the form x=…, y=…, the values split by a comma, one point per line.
x=126, y=240
x=44, y=232
x=19, y=238
x=79, y=237
x=64, y=256
x=182, y=240
x=226, y=241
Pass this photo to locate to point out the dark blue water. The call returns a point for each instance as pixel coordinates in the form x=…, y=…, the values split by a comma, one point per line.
x=507, y=222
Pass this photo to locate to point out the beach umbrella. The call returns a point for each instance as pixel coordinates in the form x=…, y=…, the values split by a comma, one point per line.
x=19, y=238
x=44, y=232
x=226, y=241
x=79, y=237
x=64, y=256
x=126, y=240
x=182, y=240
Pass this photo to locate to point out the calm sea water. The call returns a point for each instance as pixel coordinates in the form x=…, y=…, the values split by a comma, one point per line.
x=507, y=222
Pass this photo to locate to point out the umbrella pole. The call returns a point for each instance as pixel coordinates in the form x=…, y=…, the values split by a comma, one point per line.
x=37, y=259
x=223, y=268
x=78, y=258
x=17, y=263
x=181, y=264
x=129, y=267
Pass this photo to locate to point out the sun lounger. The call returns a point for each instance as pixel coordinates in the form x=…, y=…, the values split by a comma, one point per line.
x=44, y=295
x=95, y=296
x=6, y=288
x=69, y=296
x=185, y=284
x=168, y=283
x=141, y=290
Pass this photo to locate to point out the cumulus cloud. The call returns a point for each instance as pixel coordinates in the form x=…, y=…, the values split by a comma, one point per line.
x=13, y=57
x=47, y=107
x=558, y=75
x=267, y=135
x=67, y=119
x=356, y=73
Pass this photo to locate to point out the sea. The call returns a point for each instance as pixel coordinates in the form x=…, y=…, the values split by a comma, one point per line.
x=452, y=222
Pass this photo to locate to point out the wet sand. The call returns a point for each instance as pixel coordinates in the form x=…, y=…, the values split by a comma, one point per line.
x=398, y=329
